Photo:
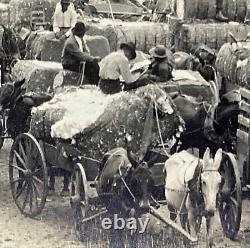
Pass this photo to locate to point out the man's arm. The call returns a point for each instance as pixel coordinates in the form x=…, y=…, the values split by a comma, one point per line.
x=165, y=71
x=78, y=54
x=125, y=72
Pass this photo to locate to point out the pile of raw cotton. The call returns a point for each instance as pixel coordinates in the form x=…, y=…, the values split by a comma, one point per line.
x=95, y=123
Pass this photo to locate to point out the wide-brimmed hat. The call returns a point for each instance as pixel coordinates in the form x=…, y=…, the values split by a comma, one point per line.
x=65, y=1
x=79, y=28
x=131, y=46
x=159, y=52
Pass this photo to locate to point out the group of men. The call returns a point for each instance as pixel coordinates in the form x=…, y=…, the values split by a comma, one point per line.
x=112, y=73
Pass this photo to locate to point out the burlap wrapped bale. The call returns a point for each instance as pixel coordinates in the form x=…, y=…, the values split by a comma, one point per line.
x=35, y=43
x=20, y=10
x=42, y=76
x=4, y=13
x=233, y=65
x=194, y=9
x=235, y=10
x=213, y=35
x=52, y=48
x=144, y=34
x=125, y=114
x=190, y=83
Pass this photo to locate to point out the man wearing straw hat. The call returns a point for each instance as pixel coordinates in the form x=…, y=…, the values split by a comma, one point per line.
x=65, y=18
x=162, y=64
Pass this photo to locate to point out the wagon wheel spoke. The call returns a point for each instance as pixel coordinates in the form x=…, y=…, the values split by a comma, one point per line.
x=18, y=168
x=18, y=180
x=31, y=198
x=26, y=198
x=37, y=180
x=28, y=151
x=20, y=159
x=22, y=151
x=35, y=194
x=20, y=191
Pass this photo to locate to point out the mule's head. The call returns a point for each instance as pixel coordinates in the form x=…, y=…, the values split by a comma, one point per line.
x=9, y=93
x=211, y=180
x=9, y=42
x=141, y=184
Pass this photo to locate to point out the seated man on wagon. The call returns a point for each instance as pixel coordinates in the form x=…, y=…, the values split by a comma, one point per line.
x=162, y=65
x=65, y=18
x=115, y=67
x=76, y=53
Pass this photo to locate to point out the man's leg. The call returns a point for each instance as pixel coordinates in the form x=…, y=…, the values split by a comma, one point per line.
x=219, y=15
x=247, y=18
x=92, y=72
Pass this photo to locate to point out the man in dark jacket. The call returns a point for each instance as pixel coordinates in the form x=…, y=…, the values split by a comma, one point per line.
x=162, y=64
x=76, y=54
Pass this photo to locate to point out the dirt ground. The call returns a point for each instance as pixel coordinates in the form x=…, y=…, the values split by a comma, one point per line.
x=54, y=227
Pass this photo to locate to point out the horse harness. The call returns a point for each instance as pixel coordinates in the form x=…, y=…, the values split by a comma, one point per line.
x=187, y=191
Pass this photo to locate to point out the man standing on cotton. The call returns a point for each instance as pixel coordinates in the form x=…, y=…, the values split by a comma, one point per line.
x=65, y=18
x=219, y=15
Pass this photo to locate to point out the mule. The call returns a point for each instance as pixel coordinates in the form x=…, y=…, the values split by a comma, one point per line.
x=194, y=189
x=122, y=186
x=13, y=97
x=200, y=133
x=9, y=51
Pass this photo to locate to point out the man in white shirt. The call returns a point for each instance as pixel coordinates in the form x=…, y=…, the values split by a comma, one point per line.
x=65, y=18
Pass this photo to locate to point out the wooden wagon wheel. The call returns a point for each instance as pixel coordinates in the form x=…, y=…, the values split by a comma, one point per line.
x=230, y=205
x=2, y=131
x=28, y=175
x=79, y=200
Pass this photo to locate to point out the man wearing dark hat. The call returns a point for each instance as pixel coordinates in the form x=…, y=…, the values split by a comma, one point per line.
x=76, y=51
x=162, y=64
x=65, y=18
x=116, y=66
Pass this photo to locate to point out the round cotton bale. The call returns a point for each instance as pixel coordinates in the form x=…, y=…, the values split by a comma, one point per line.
x=233, y=64
x=214, y=35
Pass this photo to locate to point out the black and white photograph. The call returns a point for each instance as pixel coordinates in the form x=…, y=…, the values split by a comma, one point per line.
x=124, y=124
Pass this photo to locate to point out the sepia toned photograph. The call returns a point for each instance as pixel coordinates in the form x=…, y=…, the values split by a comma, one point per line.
x=124, y=124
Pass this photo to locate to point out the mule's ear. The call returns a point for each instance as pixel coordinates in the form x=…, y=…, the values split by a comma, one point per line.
x=217, y=159
x=19, y=83
x=206, y=157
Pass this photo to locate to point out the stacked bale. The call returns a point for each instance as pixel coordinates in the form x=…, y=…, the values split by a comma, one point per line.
x=42, y=76
x=123, y=113
x=235, y=10
x=20, y=10
x=233, y=65
x=4, y=13
x=213, y=35
x=190, y=83
x=44, y=45
x=144, y=34
x=52, y=48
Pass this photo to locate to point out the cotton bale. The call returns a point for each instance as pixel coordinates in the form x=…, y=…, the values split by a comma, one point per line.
x=214, y=35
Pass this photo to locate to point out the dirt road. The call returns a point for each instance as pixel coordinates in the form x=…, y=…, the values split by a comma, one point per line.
x=54, y=229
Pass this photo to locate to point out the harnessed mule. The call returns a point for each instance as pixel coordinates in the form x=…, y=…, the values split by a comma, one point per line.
x=206, y=125
x=8, y=52
x=193, y=191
